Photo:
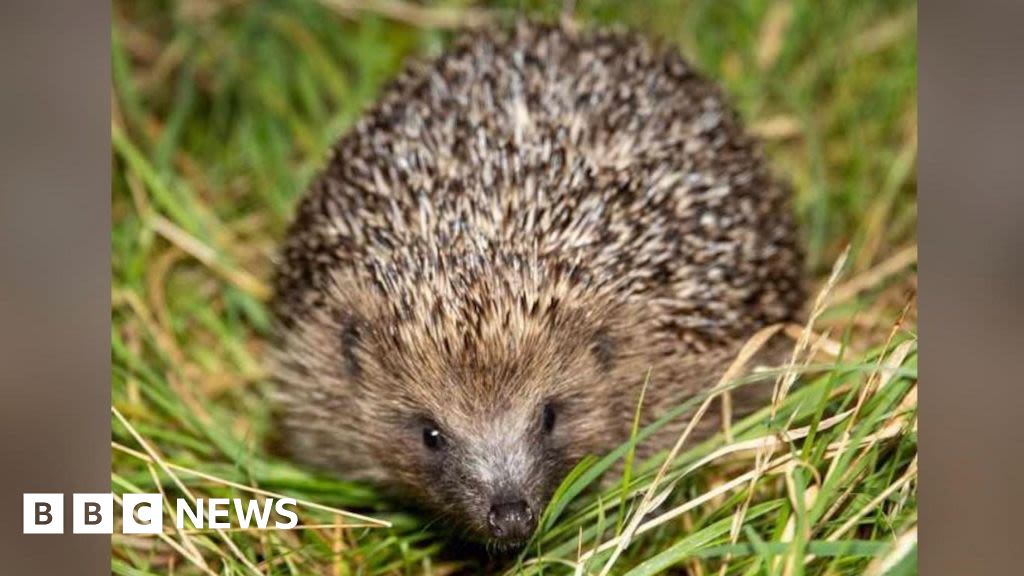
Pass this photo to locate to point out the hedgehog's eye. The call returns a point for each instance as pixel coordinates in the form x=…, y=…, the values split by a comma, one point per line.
x=548, y=418
x=432, y=438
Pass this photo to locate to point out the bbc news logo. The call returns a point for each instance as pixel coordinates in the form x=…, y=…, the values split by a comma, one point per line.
x=144, y=513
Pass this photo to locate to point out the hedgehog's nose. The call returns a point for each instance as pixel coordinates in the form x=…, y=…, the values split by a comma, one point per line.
x=511, y=520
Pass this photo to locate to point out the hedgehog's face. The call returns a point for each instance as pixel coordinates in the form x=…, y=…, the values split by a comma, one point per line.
x=477, y=411
x=482, y=424
x=489, y=474
x=485, y=439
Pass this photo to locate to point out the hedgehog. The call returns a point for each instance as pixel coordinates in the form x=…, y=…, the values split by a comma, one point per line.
x=514, y=241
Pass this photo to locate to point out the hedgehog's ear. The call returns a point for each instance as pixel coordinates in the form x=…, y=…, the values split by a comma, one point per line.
x=605, y=348
x=351, y=338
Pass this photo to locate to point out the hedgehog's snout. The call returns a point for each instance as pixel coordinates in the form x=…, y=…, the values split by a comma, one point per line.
x=508, y=478
x=512, y=521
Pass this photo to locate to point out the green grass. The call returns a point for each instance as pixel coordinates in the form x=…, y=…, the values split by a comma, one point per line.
x=223, y=111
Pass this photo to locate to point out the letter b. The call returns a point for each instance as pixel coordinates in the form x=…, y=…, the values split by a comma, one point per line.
x=93, y=514
x=43, y=514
